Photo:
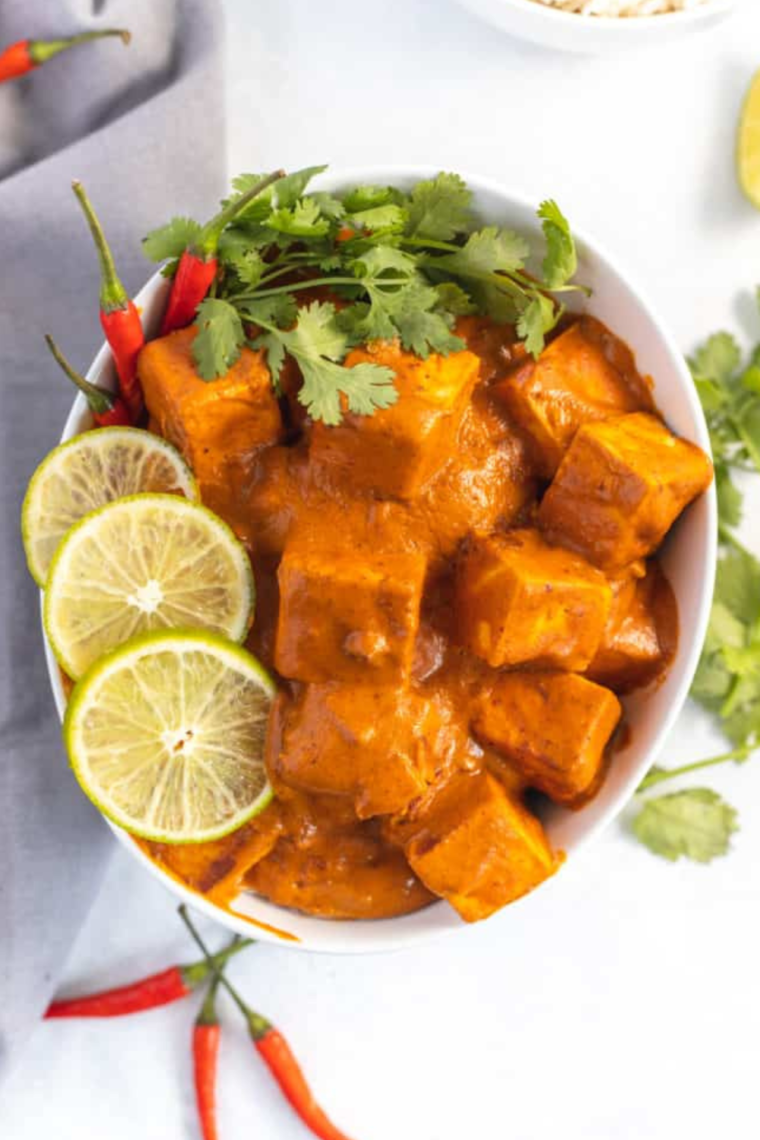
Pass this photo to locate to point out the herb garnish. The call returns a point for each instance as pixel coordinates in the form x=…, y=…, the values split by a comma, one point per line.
x=399, y=265
x=696, y=822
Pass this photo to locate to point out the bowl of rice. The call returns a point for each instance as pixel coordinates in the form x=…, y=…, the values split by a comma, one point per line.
x=593, y=26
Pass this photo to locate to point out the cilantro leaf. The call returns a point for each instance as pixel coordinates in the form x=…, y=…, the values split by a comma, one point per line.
x=220, y=338
x=237, y=254
x=401, y=303
x=329, y=207
x=454, y=299
x=303, y=220
x=366, y=198
x=286, y=191
x=730, y=498
x=737, y=585
x=316, y=342
x=273, y=345
x=695, y=823
x=171, y=240
x=538, y=318
x=717, y=359
x=439, y=208
x=380, y=219
x=487, y=251
x=280, y=310
x=561, y=260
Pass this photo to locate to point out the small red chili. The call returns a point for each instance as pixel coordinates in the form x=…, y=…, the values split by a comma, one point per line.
x=198, y=264
x=206, y=1036
x=107, y=409
x=26, y=55
x=147, y=993
x=119, y=317
x=276, y=1054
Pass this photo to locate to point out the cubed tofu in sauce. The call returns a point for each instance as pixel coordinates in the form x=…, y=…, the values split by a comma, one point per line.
x=619, y=489
x=521, y=600
x=394, y=452
x=444, y=640
x=554, y=727
x=584, y=375
x=219, y=427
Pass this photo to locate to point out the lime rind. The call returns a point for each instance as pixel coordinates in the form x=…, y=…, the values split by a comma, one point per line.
x=89, y=702
x=124, y=620
x=39, y=530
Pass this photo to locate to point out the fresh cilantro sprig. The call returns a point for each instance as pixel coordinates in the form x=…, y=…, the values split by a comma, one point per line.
x=696, y=822
x=398, y=265
x=729, y=389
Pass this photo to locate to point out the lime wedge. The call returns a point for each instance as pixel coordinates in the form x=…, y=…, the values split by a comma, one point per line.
x=748, y=144
x=143, y=563
x=89, y=471
x=166, y=736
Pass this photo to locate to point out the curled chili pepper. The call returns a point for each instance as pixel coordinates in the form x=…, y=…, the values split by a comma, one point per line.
x=26, y=55
x=119, y=317
x=198, y=264
x=148, y=993
x=107, y=409
x=275, y=1052
x=206, y=1035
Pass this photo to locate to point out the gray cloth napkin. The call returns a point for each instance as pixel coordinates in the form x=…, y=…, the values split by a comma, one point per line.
x=142, y=126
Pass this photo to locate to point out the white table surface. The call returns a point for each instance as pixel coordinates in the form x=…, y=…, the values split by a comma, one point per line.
x=625, y=1005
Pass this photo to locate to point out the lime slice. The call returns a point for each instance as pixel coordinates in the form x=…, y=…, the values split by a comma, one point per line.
x=748, y=144
x=142, y=563
x=166, y=736
x=89, y=471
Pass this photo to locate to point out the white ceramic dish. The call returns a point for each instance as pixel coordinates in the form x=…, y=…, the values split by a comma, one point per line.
x=689, y=560
x=568, y=31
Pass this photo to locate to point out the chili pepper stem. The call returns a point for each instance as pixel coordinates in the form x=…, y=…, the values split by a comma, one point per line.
x=42, y=50
x=258, y=1026
x=208, y=238
x=197, y=973
x=207, y=1012
x=99, y=399
x=113, y=295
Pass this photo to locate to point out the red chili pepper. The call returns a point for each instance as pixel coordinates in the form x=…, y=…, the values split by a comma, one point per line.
x=198, y=264
x=107, y=409
x=26, y=55
x=206, y=1034
x=119, y=317
x=148, y=993
x=276, y=1053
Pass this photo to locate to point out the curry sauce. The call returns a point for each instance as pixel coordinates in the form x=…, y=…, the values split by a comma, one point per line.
x=452, y=593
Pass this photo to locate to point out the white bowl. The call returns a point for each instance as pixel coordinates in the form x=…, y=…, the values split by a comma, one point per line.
x=569, y=31
x=689, y=560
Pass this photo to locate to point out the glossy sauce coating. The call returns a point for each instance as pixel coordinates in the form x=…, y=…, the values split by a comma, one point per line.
x=359, y=615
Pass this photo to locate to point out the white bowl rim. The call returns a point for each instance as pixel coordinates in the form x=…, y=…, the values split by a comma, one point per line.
x=378, y=935
x=620, y=25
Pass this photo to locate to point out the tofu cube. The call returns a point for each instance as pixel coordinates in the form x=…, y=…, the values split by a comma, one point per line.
x=347, y=614
x=215, y=424
x=394, y=452
x=640, y=636
x=520, y=600
x=584, y=375
x=372, y=743
x=554, y=727
x=620, y=488
x=479, y=848
x=217, y=868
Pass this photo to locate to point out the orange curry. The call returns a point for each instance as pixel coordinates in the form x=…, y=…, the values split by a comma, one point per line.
x=452, y=593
